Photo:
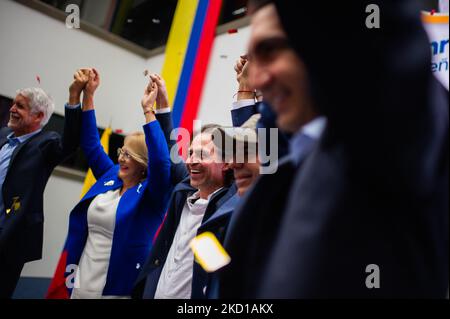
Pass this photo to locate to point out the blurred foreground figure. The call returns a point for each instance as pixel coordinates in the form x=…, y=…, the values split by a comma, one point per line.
x=367, y=215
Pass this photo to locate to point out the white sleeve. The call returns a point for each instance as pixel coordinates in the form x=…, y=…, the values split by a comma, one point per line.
x=242, y=103
x=163, y=110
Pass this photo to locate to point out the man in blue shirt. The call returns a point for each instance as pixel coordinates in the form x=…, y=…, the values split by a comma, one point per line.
x=27, y=158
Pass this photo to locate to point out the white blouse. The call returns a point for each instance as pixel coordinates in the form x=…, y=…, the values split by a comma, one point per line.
x=93, y=267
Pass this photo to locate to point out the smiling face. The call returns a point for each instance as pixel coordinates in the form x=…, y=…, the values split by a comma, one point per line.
x=205, y=169
x=21, y=118
x=245, y=174
x=130, y=170
x=277, y=71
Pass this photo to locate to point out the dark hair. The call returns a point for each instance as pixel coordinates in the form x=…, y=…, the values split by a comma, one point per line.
x=255, y=5
x=212, y=130
x=209, y=129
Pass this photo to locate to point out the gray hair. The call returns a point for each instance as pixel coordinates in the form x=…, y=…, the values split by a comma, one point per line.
x=39, y=102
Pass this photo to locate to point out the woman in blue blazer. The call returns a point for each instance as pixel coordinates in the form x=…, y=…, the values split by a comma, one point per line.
x=111, y=228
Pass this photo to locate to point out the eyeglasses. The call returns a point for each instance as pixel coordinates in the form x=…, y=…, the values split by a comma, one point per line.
x=125, y=154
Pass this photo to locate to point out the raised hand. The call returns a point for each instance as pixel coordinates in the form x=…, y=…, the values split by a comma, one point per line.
x=150, y=95
x=93, y=83
x=162, y=99
x=245, y=91
x=149, y=98
x=241, y=68
x=90, y=88
x=80, y=79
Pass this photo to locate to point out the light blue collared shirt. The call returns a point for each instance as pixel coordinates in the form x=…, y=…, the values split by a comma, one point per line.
x=302, y=141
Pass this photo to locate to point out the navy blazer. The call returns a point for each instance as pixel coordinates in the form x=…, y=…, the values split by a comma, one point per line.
x=217, y=223
x=178, y=170
x=242, y=114
x=255, y=221
x=145, y=286
x=29, y=170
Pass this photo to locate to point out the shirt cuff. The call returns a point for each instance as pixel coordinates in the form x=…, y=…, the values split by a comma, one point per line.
x=163, y=110
x=242, y=103
x=73, y=106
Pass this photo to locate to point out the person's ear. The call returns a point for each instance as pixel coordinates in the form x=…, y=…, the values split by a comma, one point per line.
x=38, y=117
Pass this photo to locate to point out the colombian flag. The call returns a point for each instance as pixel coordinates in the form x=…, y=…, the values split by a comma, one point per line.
x=187, y=58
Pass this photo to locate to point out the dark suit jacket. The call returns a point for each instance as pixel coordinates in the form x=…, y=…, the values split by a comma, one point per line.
x=148, y=278
x=251, y=232
x=29, y=170
x=178, y=171
x=375, y=190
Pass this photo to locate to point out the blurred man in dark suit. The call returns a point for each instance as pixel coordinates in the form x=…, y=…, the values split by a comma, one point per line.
x=367, y=214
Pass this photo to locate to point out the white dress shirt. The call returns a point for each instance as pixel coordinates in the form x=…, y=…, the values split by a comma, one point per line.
x=175, y=281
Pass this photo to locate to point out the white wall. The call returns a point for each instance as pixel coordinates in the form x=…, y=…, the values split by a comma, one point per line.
x=35, y=44
x=41, y=45
x=220, y=83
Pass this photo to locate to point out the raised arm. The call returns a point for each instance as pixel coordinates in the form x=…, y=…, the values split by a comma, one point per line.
x=164, y=117
x=98, y=160
x=158, y=175
x=245, y=105
x=60, y=149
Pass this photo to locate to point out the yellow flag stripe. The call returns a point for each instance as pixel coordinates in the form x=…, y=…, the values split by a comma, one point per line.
x=177, y=44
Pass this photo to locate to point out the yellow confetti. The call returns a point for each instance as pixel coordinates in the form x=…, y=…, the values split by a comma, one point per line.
x=209, y=252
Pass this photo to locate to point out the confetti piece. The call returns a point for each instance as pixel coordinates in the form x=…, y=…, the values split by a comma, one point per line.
x=38, y=79
x=118, y=131
x=209, y=252
x=239, y=11
x=156, y=21
x=223, y=56
x=432, y=12
x=231, y=31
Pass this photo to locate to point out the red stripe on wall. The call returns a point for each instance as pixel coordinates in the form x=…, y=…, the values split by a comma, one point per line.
x=201, y=65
